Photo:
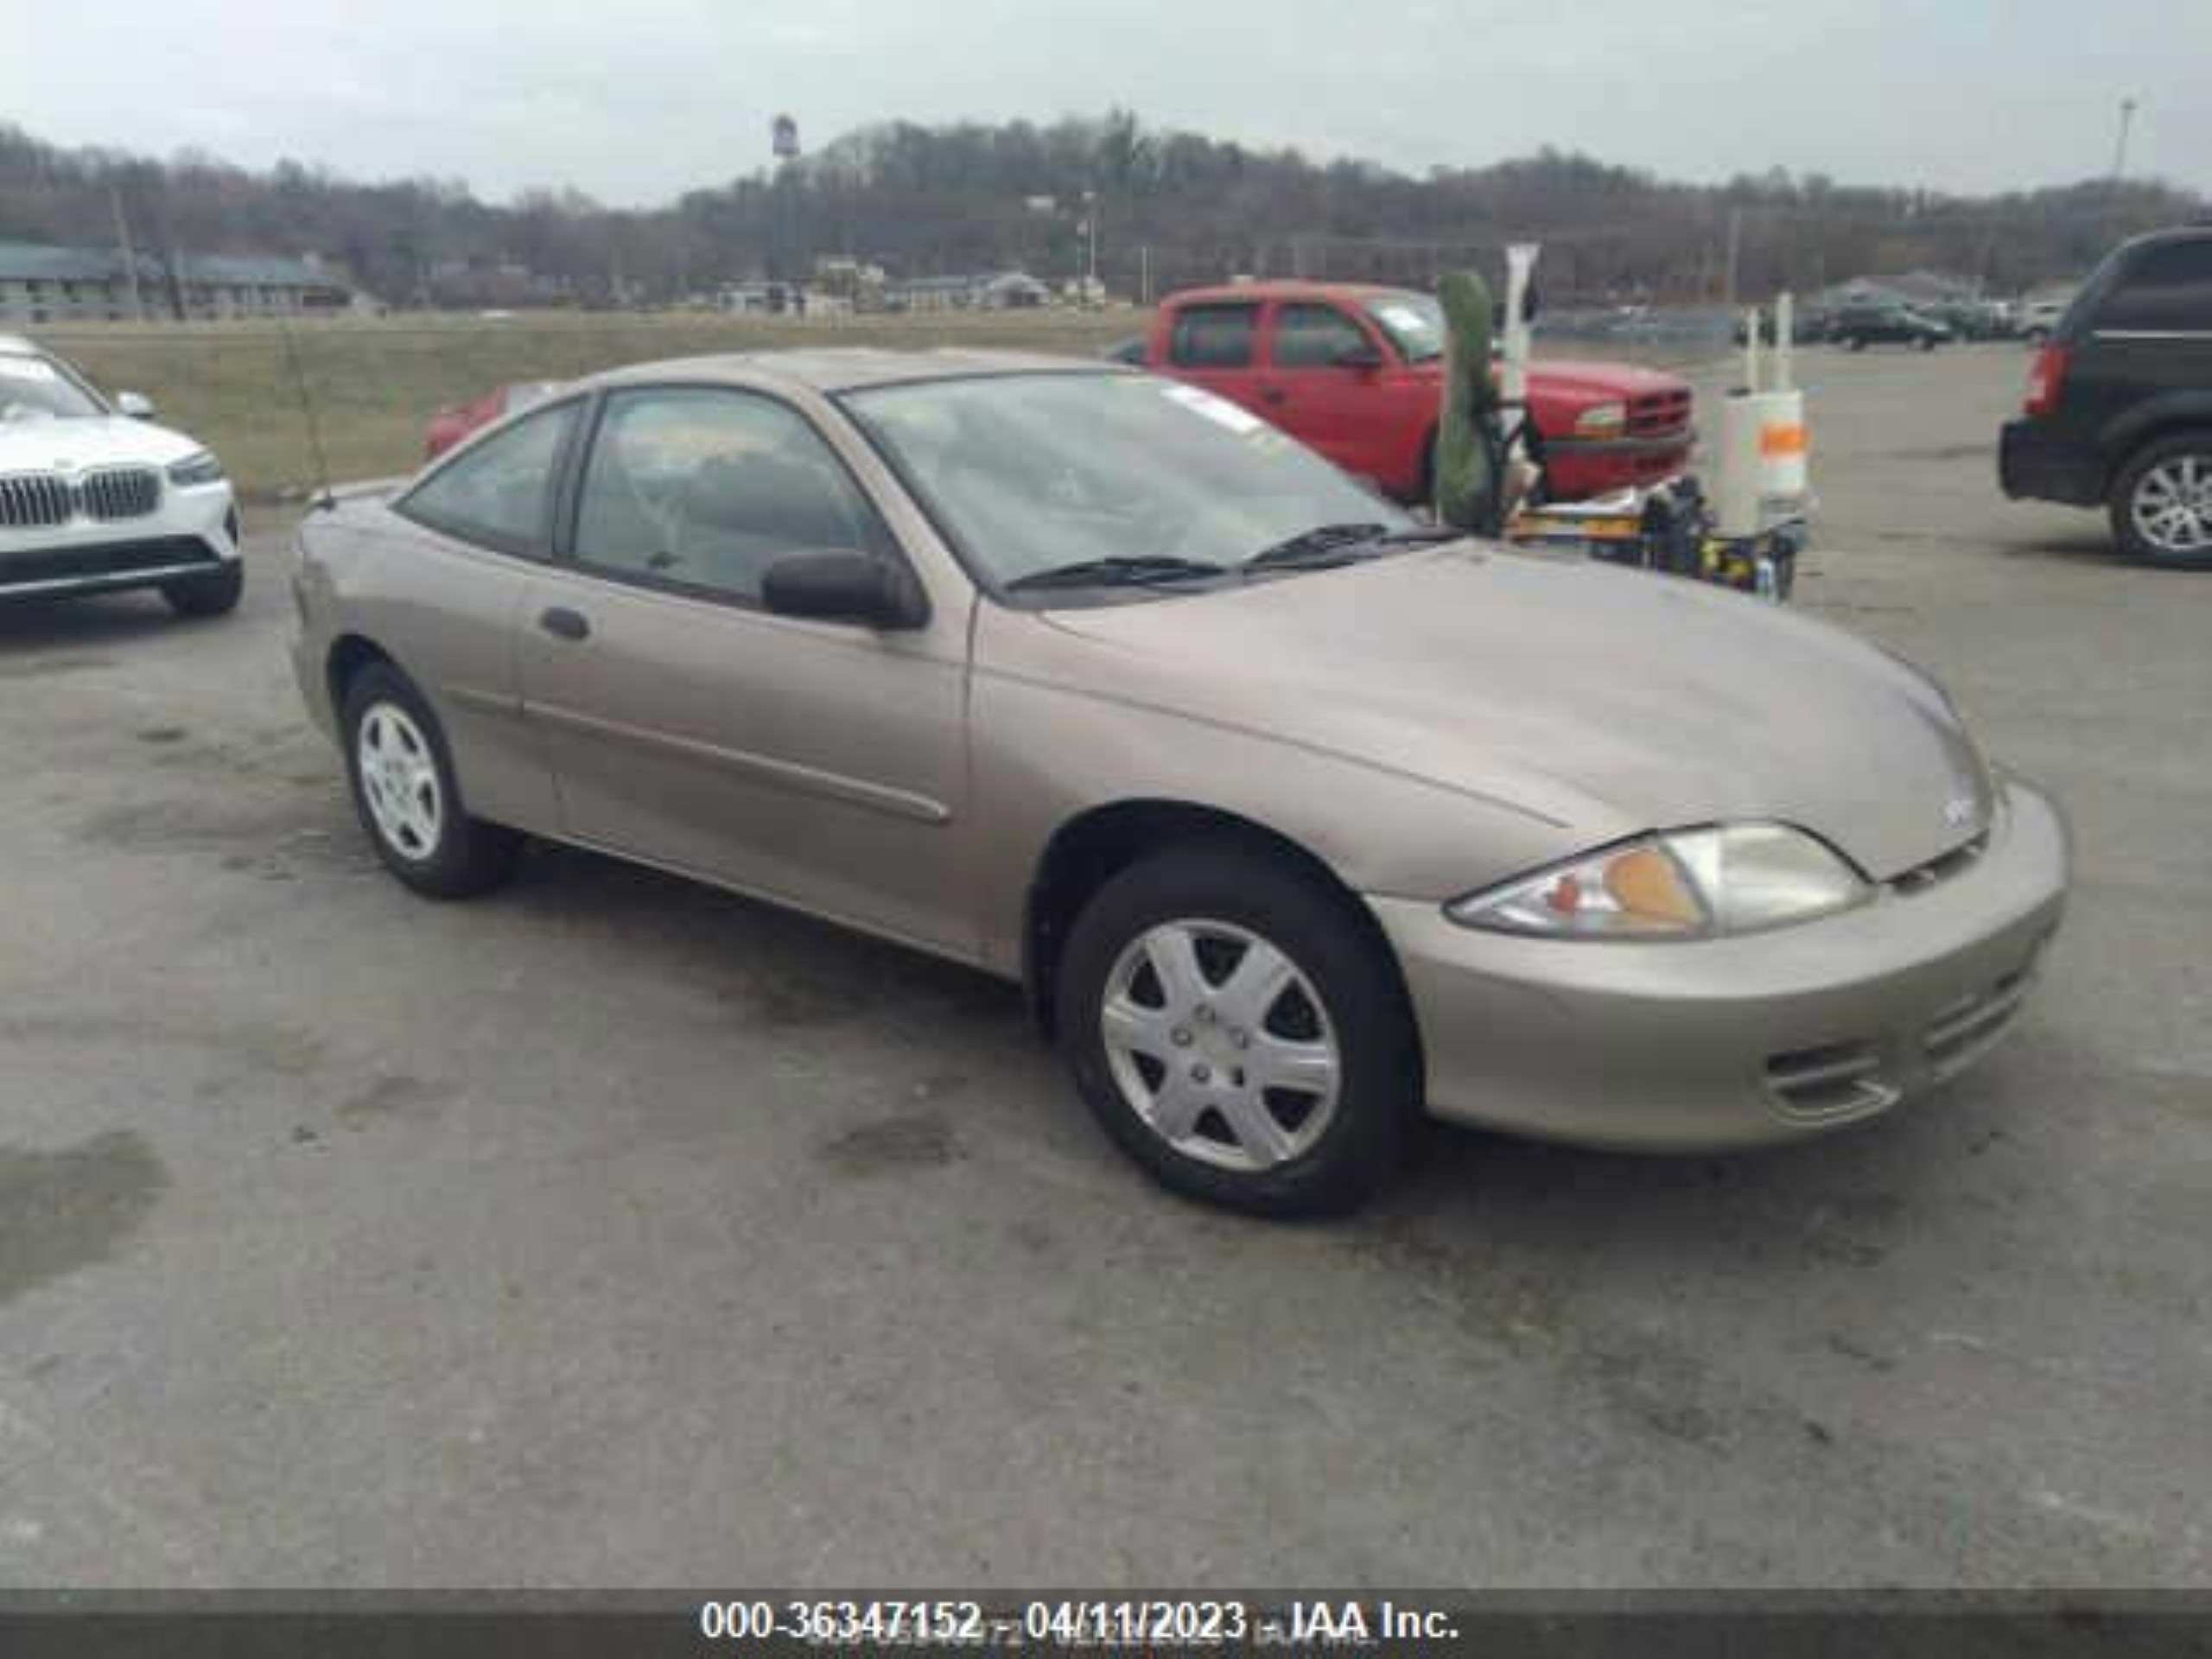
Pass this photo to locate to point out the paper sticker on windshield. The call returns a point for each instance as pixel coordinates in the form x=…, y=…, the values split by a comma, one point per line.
x=1402, y=320
x=27, y=368
x=1219, y=410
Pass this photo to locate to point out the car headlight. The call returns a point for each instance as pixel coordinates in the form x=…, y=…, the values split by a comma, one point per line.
x=201, y=467
x=1601, y=421
x=1686, y=884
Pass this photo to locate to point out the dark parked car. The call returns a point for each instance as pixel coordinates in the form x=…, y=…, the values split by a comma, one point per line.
x=1860, y=326
x=2118, y=409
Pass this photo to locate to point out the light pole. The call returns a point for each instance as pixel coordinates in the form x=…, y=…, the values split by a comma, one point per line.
x=2119, y=148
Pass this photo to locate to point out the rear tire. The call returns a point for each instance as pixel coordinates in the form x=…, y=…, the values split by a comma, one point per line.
x=406, y=796
x=215, y=594
x=1177, y=1068
x=2161, y=502
x=1854, y=342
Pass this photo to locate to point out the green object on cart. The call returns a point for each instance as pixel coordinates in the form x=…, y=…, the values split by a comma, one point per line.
x=1470, y=450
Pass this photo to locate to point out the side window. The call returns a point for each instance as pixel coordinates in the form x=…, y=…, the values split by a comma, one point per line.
x=2168, y=288
x=1213, y=336
x=1315, y=337
x=500, y=492
x=704, y=489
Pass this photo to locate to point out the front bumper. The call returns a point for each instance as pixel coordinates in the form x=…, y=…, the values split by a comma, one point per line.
x=1577, y=468
x=2034, y=464
x=1736, y=1042
x=194, y=530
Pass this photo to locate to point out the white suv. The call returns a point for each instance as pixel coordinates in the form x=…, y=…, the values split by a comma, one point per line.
x=94, y=498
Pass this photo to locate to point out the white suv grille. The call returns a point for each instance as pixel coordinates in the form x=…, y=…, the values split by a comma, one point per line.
x=45, y=500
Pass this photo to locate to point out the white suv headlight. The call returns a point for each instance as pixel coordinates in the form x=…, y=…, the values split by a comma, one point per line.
x=1686, y=884
x=201, y=467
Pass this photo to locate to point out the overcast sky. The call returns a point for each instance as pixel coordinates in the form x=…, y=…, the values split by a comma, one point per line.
x=636, y=101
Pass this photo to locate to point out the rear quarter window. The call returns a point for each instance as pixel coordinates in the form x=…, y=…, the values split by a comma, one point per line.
x=2164, y=288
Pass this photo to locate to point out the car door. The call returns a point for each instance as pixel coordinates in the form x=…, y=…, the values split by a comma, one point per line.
x=1215, y=344
x=823, y=764
x=483, y=526
x=1311, y=389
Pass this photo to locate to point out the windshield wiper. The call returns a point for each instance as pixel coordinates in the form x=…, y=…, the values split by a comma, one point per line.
x=1123, y=570
x=1331, y=544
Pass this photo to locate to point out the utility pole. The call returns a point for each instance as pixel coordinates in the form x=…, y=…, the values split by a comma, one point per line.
x=1144, y=274
x=130, y=258
x=1735, y=250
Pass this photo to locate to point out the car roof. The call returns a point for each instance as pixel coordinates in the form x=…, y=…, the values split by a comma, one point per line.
x=848, y=368
x=1289, y=287
x=16, y=345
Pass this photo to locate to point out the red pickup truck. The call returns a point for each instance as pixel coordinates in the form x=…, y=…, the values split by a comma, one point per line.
x=1357, y=371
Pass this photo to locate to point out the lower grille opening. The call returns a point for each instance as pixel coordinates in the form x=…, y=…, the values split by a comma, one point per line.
x=1835, y=1080
x=108, y=561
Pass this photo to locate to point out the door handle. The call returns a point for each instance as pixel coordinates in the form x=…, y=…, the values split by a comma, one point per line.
x=564, y=624
x=1273, y=395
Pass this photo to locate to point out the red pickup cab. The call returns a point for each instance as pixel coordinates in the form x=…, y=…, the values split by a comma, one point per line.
x=1356, y=372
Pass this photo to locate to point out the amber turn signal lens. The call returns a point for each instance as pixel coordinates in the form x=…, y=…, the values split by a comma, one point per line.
x=1645, y=883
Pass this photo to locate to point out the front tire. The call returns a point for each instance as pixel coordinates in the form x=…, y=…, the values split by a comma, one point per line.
x=2161, y=502
x=1240, y=1030
x=406, y=796
x=215, y=594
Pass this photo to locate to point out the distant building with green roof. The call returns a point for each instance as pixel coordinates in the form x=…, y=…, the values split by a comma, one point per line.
x=40, y=283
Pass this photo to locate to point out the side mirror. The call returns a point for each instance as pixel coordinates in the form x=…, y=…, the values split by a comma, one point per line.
x=844, y=585
x=135, y=404
x=1362, y=356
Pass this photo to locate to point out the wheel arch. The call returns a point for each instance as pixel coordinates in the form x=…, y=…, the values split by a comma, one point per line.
x=2152, y=422
x=348, y=655
x=1091, y=848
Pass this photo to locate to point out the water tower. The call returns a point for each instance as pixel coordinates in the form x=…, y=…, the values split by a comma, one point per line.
x=783, y=136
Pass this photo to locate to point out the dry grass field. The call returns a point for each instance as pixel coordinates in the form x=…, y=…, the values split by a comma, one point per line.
x=243, y=389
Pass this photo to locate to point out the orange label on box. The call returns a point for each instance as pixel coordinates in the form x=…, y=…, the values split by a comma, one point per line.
x=1783, y=440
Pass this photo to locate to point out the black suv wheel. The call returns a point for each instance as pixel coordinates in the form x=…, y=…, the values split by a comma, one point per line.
x=2161, y=502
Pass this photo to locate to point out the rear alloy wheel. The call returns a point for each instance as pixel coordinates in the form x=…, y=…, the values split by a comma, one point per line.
x=1234, y=1032
x=405, y=793
x=215, y=594
x=2161, y=502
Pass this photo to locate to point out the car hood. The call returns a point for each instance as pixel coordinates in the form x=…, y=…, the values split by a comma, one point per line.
x=1607, y=701
x=73, y=445
x=1597, y=381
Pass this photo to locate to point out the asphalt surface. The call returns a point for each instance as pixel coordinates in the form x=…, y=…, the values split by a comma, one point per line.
x=615, y=1231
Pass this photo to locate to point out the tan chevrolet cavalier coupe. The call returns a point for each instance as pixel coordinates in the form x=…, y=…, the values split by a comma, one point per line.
x=1293, y=818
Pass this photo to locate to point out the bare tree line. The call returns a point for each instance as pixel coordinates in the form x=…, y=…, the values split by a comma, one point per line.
x=1172, y=209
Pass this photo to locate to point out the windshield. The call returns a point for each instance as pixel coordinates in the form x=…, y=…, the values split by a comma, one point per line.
x=35, y=389
x=1414, y=322
x=1035, y=473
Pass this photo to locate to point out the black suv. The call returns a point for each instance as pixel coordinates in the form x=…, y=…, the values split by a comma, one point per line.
x=1860, y=326
x=2119, y=401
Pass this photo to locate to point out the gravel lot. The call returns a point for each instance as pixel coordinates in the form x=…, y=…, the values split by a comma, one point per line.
x=615, y=1231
